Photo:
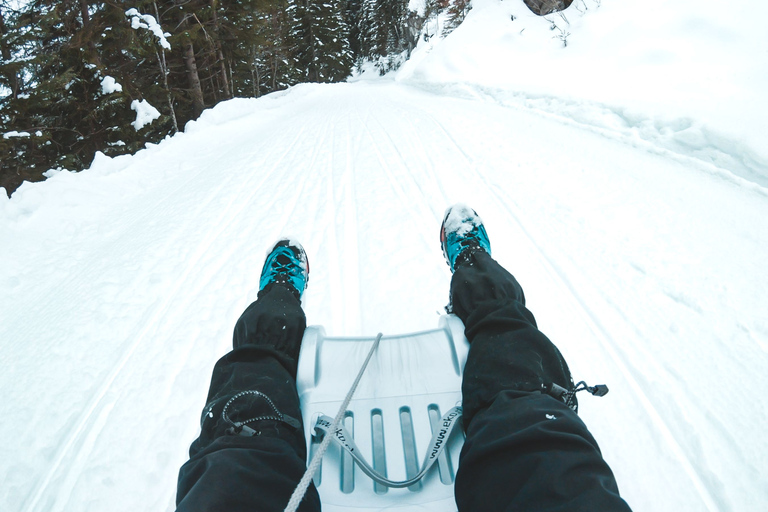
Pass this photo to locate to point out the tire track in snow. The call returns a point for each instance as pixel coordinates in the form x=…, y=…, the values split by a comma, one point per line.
x=82, y=433
x=217, y=265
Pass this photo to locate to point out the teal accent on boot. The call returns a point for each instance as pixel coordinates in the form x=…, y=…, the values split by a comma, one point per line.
x=286, y=264
x=462, y=234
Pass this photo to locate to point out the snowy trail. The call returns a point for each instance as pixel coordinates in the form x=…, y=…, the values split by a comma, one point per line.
x=120, y=286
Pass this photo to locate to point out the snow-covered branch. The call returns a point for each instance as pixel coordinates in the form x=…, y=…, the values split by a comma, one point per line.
x=147, y=21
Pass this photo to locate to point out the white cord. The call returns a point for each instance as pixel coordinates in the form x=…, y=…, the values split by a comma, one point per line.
x=314, y=464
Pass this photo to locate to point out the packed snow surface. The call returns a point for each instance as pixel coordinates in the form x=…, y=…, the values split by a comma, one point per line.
x=643, y=259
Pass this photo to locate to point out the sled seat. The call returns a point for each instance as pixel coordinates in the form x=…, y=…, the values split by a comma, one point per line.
x=411, y=381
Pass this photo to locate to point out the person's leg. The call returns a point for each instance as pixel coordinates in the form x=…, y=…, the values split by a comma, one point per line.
x=251, y=452
x=524, y=449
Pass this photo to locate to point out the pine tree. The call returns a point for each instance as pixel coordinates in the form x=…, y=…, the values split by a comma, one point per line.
x=320, y=33
x=13, y=120
x=59, y=58
x=367, y=29
x=457, y=11
x=353, y=11
x=255, y=42
x=384, y=31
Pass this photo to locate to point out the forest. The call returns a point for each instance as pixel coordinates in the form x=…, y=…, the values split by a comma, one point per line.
x=79, y=77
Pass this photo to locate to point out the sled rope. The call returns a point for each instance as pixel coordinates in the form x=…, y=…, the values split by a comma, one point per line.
x=439, y=440
x=314, y=464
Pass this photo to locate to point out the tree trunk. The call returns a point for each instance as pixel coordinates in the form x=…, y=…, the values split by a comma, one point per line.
x=313, y=67
x=195, y=89
x=93, y=53
x=5, y=51
x=84, y=12
x=231, y=80
x=188, y=51
x=164, y=71
x=219, y=52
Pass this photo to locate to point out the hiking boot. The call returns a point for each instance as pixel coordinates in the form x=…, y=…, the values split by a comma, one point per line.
x=286, y=265
x=461, y=235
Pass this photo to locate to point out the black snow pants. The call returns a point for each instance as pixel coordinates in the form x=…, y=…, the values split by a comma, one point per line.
x=524, y=450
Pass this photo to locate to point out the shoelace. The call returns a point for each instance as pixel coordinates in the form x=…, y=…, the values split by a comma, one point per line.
x=287, y=266
x=470, y=240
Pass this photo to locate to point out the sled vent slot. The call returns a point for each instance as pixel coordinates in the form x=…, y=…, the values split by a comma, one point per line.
x=379, y=452
x=313, y=446
x=409, y=447
x=347, y=463
x=443, y=461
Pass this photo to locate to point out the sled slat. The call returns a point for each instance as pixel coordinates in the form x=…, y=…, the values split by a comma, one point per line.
x=410, y=381
x=409, y=447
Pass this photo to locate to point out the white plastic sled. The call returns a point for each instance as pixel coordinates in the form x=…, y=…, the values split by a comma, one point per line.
x=394, y=417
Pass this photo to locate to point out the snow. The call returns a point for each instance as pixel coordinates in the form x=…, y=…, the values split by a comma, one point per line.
x=109, y=85
x=461, y=219
x=16, y=134
x=418, y=6
x=145, y=113
x=690, y=75
x=147, y=21
x=634, y=217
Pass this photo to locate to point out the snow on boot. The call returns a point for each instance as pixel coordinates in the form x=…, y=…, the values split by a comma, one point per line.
x=462, y=234
x=286, y=265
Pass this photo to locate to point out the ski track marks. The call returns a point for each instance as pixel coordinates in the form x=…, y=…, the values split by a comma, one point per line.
x=406, y=200
x=604, y=338
x=601, y=334
x=91, y=421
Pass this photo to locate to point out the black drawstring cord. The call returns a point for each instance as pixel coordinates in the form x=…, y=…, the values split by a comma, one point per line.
x=569, y=396
x=241, y=427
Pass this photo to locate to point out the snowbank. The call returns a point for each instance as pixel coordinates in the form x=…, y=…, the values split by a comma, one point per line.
x=690, y=75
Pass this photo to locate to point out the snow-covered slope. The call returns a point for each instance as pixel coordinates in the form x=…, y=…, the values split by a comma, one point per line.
x=689, y=76
x=120, y=285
